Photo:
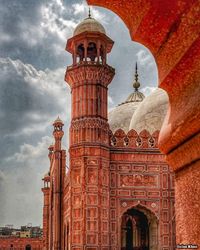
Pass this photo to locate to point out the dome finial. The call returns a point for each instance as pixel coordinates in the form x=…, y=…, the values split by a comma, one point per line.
x=89, y=13
x=136, y=73
x=136, y=84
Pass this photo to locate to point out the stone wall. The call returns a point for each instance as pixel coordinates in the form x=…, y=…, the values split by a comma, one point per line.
x=141, y=178
x=13, y=243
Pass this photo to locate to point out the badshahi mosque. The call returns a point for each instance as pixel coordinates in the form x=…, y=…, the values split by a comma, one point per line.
x=119, y=190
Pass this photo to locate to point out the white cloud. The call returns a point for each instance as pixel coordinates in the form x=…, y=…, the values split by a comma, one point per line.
x=79, y=8
x=110, y=100
x=83, y=9
x=54, y=21
x=29, y=152
x=99, y=16
x=148, y=90
x=144, y=58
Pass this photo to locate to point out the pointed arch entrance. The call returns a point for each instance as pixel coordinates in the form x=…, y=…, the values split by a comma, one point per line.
x=28, y=247
x=139, y=230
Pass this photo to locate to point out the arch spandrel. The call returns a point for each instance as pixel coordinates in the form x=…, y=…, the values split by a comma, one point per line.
x=150, y=212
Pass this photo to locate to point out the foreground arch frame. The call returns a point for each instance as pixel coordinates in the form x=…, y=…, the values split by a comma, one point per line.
x=171, y=30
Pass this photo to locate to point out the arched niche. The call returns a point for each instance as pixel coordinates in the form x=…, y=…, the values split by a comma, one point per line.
x=28, y=247
x=92, y=51
x=139, y=229
x=80, y=51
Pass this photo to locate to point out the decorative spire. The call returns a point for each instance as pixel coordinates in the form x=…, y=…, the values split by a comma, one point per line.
x=136, y=96
x=136, y=83
x=89, y=13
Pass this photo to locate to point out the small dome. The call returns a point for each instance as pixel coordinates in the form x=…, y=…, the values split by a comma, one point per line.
x=151, y=112
x=47, y=175
x=89, y=24
x=58, y=121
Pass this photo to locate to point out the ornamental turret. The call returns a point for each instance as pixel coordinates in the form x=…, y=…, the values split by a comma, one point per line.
x=58, y=133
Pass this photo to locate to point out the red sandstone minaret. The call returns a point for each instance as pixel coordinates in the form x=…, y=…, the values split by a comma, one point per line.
x=57, y=173
x=50, y=224
x=46, y=192
x=89, y=77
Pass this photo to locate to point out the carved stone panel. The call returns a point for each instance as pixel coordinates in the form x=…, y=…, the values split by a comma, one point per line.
x=92, y=199
x=92, y=212
x=77, y=200
x=76, y=177
x=138, y=180
x=92, y=225
x=92, y=239
x=92, y=176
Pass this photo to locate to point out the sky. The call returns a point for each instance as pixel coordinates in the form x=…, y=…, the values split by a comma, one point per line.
x=33, y=93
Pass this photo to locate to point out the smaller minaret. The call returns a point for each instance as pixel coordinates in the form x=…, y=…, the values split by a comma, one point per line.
x=46, y=192
x=57, y=167
x=58, y=133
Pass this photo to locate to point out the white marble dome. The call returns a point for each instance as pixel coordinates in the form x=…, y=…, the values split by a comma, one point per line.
x=89, y=24
x=151, y=112
x=121, y=115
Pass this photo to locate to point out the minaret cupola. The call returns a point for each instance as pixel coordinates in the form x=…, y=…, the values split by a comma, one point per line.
x=89, y=42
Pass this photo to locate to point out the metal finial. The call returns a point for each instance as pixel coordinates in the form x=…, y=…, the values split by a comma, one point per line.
x=136, y=84
x=136, y=73
x=89, y=13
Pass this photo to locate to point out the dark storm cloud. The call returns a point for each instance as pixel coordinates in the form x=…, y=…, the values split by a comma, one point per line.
x=18, y=97
x=29, y=101
x=23, y=37
x=14, y=16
